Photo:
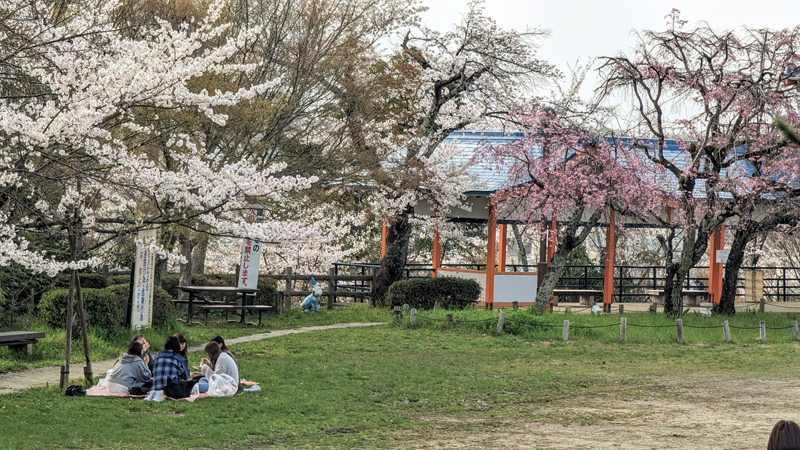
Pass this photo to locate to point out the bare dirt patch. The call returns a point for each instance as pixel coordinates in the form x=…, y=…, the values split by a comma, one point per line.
x=679, y=413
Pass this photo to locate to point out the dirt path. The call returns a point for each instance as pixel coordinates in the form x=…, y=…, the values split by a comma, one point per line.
x=22, y=381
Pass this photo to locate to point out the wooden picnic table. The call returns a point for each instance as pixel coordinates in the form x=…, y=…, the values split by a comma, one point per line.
x=238, y=300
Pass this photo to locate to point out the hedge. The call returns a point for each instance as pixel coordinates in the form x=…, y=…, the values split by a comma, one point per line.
x=88, y=281
x=163, y=309
x=267, y=287
x=101, y=304
x=423, y=293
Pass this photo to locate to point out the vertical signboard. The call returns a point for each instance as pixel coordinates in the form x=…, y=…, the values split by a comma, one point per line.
x=251, y=258
x=753, y=285
x=144, y=274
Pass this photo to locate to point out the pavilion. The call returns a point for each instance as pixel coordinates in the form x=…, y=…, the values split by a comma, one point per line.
x=501, y=288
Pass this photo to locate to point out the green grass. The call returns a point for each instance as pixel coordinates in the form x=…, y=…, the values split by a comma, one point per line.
x=643, y=328
x=376, y=387
x=50, y=351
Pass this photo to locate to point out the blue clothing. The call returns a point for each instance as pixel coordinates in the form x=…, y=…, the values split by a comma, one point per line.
x=169, y=366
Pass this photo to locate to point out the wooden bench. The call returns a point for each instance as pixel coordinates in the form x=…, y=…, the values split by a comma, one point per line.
x=585, y=296
x=693, y=296
x=18, y=340
x=242, y=309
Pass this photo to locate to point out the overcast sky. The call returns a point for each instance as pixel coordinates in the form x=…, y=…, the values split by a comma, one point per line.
x=589, y=28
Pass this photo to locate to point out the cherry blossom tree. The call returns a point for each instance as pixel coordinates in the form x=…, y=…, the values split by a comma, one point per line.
x=398, y=111
x=559, y=171
x=716, y=94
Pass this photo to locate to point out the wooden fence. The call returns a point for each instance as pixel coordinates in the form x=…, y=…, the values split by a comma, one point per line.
x=335, y=286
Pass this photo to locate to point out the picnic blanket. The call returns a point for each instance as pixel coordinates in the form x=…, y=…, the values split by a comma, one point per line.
x=99, y=391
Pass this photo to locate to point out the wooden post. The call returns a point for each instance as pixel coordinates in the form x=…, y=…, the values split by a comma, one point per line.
x=413, y=317
x=87, y=370
x=763, y=330
x=449, y=320
x=568, y=310
x=332, y=287
x=623, y=330
x=405, y=308
x=287, y=296
x=621, y=308
x=565, y=332
x=679, y=323
x=491, y=257
x=726, y=331
x=796, y=331
x=437, y=304
x=761, y=305
x=396, y=314
x=501, y=249
x=515, y=304
x=500, y=321
x=608, y=267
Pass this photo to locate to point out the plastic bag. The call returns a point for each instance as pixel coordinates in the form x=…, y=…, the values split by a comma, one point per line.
x=221, y=385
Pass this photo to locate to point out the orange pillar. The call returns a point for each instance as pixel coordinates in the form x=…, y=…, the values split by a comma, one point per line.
x=490, y=256
x=501, y=251
x=714, y=268
x=383, y=240
x=608, y=274
x=552, y=239
x=437, y=252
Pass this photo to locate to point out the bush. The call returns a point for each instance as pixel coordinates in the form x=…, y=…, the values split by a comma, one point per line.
x=163, y=309
x=88, y=281
x=118, y=279
x=267, y=287
x=101, y=304
x=424, y=292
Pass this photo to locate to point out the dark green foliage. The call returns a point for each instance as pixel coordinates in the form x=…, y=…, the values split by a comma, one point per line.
x=101, y=304
x=267, y=287
x=163, y=308
x=20, y=291
x=423, y=293
x=118, y=279
x=88, y=281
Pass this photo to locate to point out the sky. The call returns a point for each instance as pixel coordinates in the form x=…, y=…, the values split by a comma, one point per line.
x=585, y=29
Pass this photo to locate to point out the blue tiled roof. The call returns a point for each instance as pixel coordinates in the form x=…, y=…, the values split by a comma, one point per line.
x=491, y=178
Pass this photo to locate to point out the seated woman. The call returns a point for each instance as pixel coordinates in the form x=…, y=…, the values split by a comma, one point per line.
x=184, y=352
x=219, y=363
x=169, y=365
x=129, y=372
x=145, y=350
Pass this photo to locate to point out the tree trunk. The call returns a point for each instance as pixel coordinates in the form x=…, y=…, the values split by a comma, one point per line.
x=727, y=298
x=185, y=268
x=523, y=254
x=199, y=255
x=398, y=234
x=571, y=239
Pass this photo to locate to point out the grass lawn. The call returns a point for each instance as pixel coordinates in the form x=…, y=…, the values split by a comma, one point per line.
x=50, y=350
x=428, y=387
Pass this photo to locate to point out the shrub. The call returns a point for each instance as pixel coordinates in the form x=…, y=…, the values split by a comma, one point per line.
x=267, y=287
x=424, y=292
x=163, y=309
x=101, y=304
x=88, y=281
x=118, y=279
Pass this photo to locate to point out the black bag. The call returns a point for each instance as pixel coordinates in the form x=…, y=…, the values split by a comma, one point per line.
x=179, y=389
x=75, y=391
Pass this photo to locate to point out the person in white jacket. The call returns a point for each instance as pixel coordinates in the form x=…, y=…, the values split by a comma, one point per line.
x=219, y=363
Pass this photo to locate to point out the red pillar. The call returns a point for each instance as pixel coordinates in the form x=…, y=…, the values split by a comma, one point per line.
x=608, y=275
x=501, y=251
x=437, y=252
x=552, y=239
x=714, y=268
x=383, y=240
x=490, y=255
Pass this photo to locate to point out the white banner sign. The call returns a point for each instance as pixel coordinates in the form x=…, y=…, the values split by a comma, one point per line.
x=248, y=267
x=722, y=256
x=142, y=308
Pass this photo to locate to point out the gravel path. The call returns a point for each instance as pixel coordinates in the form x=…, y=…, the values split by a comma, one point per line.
x=22, y=381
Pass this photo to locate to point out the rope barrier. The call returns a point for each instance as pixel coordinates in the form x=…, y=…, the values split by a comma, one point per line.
x=650, y=326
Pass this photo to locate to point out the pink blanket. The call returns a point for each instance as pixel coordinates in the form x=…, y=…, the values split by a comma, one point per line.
x=98, y=391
